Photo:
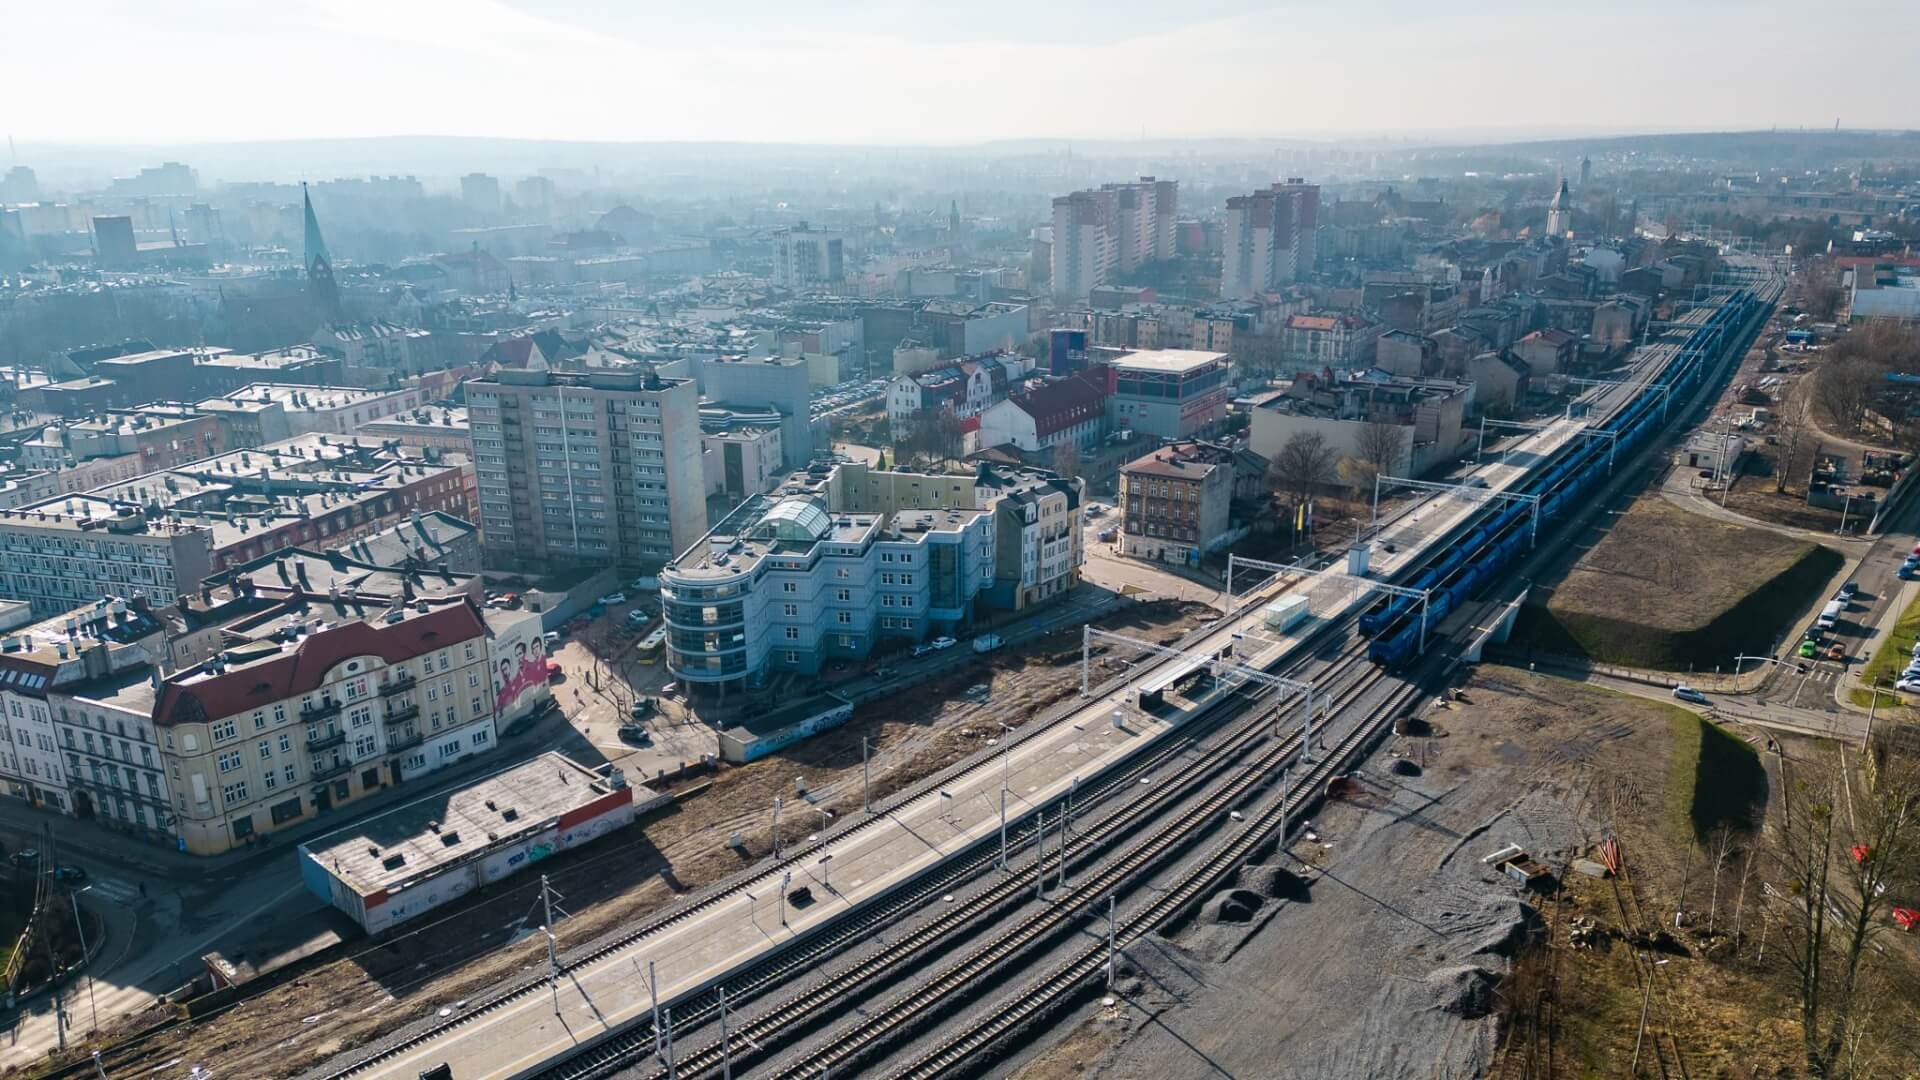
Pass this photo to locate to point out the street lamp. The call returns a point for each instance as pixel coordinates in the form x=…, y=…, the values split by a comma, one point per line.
x=824, y=869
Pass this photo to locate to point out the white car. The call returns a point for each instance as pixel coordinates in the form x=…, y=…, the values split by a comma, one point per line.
x=942, y=643
x=613, y=598
x=1909, y=685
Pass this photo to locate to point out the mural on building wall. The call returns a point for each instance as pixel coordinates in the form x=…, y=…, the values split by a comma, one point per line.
x=518, y=667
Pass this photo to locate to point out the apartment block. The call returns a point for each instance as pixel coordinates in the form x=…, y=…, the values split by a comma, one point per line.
x=320, y=704
x=589, y=467
x=1270, y=239
x=1101, y=235
x=1176, y=502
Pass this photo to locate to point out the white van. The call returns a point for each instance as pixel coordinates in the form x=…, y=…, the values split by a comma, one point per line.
x=1830, y=614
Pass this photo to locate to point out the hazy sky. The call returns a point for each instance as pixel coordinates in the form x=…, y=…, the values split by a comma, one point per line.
x=948, y=71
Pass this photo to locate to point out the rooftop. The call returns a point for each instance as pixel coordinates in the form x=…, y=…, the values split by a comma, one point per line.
x=391, y=851
x=1168, y=361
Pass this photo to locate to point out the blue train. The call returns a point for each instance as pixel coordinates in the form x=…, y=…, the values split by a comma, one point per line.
x=1456, y=573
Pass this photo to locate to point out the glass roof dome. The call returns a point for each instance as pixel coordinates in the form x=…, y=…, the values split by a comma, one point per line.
x=794, y=519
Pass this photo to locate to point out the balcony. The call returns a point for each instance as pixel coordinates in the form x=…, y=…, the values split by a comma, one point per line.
x=323, y=742
x=403, y=681
x=326, y=708
x=327, y=772
x=401, y=715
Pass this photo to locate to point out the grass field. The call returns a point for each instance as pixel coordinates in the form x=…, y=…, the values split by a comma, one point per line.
x=1890, y=658
x=1671, y=590
x=1713, y=779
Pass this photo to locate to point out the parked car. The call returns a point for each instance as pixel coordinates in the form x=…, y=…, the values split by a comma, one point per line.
x=641, y=708
x=635, y=733
x=1911, y=685
x=551, y=637
x=24, y=856
x=1688, y=693
x=670, y=690
x=1850, y=590
x=883, y=673
x=638, y=615
x=69, y=874
x=922, y=649
x=942, y=642
x=612, y=599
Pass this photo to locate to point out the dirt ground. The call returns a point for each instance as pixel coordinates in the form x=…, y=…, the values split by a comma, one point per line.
x=1408, y=958
x=383, y=985
x=1662, y=567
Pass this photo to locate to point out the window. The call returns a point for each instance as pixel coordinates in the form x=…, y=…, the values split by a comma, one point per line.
x=790, y=586
x=224, y=730
x=842, y=572
x=793, y=633
x=449, y=749
x=844, y=595
x=269, y=781
x=445, y=660
x=433, y=692
x=363, y=746
x=846, y=617
x=259, y=719
x=279, y=714
x=360, y=717
x=791, y=610
x=291, y=773
x=286, y=743
x=235, y=792
x=473, y=679
x=478, y=706
x=480, y=737
x=230, y=761
x=469, y=650
x=266, y=750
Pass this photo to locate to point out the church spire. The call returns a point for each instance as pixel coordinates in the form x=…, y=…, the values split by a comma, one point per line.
x=320, y=285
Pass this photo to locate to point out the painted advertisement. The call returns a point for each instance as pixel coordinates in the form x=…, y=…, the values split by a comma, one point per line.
x=517, y=666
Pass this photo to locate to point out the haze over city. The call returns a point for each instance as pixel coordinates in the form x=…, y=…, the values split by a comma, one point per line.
x=932, y=73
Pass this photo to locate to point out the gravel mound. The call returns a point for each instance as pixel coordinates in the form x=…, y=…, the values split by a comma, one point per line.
x=1403, y=767
x=1272, y=882
x=1464, y=991
x=1231, y=906
x=1499, y=928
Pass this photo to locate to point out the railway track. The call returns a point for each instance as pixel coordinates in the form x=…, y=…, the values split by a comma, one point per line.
x=767, y=1031
x=1068, y=978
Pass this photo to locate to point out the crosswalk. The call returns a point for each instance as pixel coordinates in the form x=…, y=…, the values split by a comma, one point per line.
x=115, y=889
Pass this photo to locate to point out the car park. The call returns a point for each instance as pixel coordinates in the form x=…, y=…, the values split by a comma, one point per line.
x=1910, y=685
x=639, y=615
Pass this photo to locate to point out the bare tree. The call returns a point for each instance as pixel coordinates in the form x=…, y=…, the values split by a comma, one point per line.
x=1304, y=464
x=1794, y=428
x=1838, y=868
x=1066, y=458
x=1847, y=386
x=1721, y=845
x=1380, y=445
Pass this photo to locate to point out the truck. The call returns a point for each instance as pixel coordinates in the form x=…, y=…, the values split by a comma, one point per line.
x=1285, y=613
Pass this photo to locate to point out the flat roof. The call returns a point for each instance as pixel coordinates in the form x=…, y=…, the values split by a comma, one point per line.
x=409, y=843
x=1170, y=361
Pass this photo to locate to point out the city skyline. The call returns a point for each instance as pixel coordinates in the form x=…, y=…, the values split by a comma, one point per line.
x=585, y=69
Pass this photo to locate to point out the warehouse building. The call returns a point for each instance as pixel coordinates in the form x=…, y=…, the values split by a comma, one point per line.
x=430, y=852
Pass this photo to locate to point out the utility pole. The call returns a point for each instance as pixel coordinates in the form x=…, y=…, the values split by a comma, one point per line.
x=553, y=956
x=726, y=1045
x=786, y=879
x=866, y=779
x=1062, y=840
x=1113, y=948
x=653, y=997
x=776, y=828
x=1040, y=855
x=672, y=1072
x=93, y=1006
x=1003, y=828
